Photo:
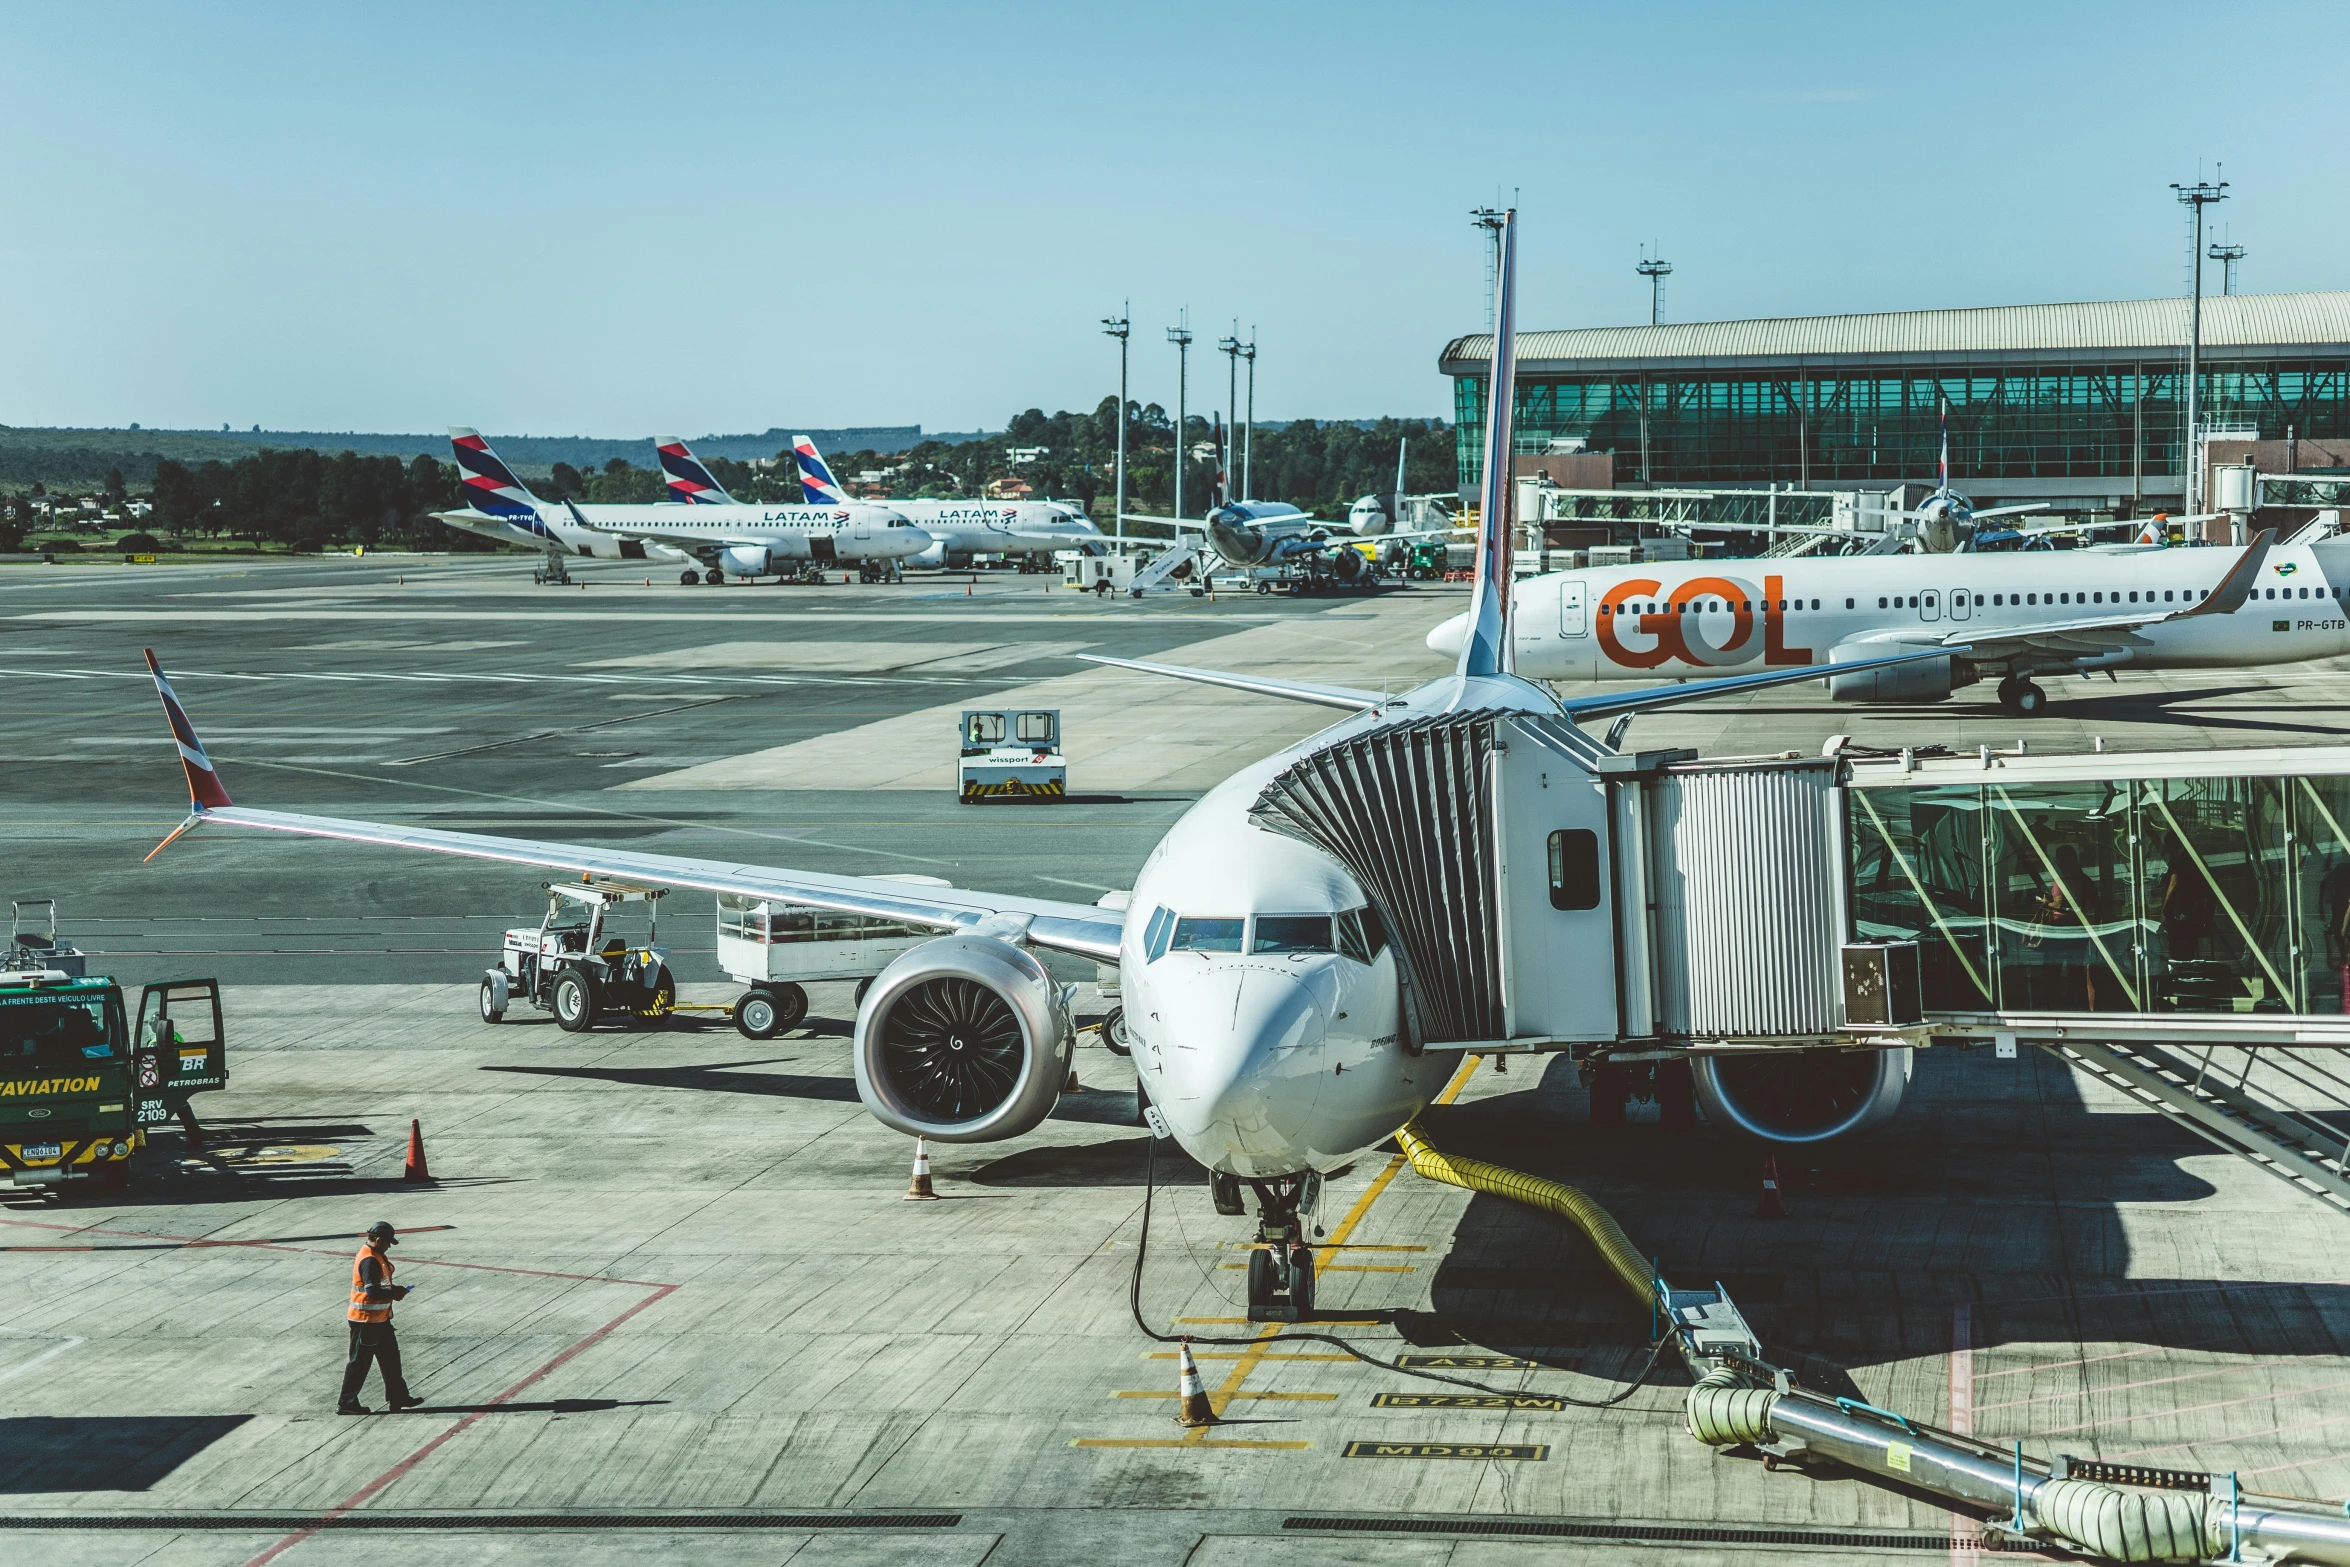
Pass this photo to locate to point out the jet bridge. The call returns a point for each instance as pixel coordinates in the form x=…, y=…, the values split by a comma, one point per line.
x=2177, y=923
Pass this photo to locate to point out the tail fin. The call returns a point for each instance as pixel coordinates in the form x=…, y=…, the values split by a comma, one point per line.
x=1488, y=649
x=204, y=786
x=817, y=485
x=689, y=481
x=488, y=484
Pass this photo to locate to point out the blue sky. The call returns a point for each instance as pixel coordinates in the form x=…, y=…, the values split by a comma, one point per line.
x=612, y=220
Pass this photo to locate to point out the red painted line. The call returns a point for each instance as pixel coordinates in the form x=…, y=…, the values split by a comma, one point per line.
x=375, y=1486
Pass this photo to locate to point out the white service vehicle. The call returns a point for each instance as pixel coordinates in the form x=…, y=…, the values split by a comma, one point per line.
x=1015, y=752
x=1100, y=575
x=574, y=965
x=775, y=949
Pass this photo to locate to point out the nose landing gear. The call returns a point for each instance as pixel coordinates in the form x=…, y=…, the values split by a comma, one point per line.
x=1281, y=1267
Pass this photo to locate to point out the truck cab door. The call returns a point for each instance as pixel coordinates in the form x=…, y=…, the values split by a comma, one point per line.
x=179, y=1046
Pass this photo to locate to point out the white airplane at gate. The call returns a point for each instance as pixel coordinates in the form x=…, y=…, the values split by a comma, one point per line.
x=2007, y=617
x=1263, y=984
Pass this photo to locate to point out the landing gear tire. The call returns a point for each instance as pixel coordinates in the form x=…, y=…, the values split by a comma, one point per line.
x=714, y=577
x=1301, y=1281
x=756, y=1015
x=575, y=1002
x=689, y=578
x=1260, y=1282
x=2022, y=698
x=1114, y=1037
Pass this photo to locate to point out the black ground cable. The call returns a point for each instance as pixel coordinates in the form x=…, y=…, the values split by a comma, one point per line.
x=1134, y=1303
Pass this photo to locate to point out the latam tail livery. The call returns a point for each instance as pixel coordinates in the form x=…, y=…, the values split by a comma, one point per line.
x=963, y=529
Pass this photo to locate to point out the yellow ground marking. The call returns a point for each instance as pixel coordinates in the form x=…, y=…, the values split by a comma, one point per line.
x=1210, y=1322
x=286, y=1153
x=1261, y=1348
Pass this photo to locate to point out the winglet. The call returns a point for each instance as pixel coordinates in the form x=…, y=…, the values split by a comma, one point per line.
x=204, y=788
x=2236, y=586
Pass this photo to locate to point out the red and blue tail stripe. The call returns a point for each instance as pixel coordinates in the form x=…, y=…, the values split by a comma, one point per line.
x=689, y=481
x=204, y=787
x=488, y=484
x=817, y=485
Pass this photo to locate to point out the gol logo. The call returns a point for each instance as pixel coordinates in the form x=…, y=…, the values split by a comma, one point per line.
x=1677, y=624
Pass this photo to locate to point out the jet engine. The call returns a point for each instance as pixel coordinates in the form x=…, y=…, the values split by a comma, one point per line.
x=746, y=560
x=1925, y=680
x=964, y=1039
x=1801, y=1096
x=1348, y=565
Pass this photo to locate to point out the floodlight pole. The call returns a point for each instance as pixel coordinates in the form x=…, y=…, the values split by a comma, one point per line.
x=1180, y=336
x=1229, y=347
x=1248, y=458
x=1655, y=269
x=2195, y=198
x=2227, y=256
x=1120, y=327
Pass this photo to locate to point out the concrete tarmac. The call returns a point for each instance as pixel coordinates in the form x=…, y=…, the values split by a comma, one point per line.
x=671, y=1302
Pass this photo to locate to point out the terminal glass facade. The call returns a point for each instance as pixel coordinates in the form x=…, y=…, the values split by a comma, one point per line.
x=1877, y=427
x=2165, y=895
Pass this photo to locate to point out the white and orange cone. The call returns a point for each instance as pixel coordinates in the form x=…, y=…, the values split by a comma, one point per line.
x=1196, y=1410
x=1071, y=1085
x=918, y=1190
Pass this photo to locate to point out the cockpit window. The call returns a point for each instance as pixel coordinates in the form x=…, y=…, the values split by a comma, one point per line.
x=1155, y=934
x=1359, y=935
x=1194, y=934
x=1293, y=933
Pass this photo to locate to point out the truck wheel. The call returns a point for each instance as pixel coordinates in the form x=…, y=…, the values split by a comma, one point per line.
x=493, y=1005
x=1114, y=1033
x=756, y=1016
x=575, y=1002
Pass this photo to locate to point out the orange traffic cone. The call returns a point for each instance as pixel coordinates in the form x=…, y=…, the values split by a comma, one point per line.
x=918, y=1190
x=1196, y=1410
x=416, y=1170
x=1770, y=1207
x=1072, y=1085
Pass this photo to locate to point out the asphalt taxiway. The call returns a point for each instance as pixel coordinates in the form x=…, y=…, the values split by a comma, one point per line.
x=671, y=1302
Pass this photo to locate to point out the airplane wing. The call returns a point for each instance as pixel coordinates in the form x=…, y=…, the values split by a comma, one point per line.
x=1347, y=697
x=2010, y=511
x=1076, y=928
x=2087, y=636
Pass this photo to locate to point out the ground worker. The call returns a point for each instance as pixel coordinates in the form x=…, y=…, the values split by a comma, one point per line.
x=372, y=1338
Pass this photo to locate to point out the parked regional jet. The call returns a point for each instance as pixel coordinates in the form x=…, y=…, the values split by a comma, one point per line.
x=2002, y=615
x=747, y=541
x=1263, y=984
x=963, y=529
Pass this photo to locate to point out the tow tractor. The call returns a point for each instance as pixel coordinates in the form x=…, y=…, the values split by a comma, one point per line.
x=1012, y=753
x=78, y=1088
x=573, y=966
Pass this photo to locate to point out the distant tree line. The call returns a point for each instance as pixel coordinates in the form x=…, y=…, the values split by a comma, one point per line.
x=307, y=500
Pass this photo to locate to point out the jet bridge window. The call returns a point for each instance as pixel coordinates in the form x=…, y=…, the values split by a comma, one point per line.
x=1574, y=869
x=1293, y=933
x=1195, y=934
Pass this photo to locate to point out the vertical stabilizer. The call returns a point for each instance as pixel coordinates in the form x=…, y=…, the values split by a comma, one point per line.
x=688, y=480
x=488, y=484
x=1487, y=650
x=817, y=485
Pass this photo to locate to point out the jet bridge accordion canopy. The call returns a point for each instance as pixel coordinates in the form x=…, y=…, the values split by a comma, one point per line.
x=1408, y=809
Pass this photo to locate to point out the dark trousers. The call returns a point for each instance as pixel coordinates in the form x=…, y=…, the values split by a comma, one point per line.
x=374, y=1343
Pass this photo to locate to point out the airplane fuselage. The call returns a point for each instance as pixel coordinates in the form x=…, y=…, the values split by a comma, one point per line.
x=966, y=528
x=1722, y=617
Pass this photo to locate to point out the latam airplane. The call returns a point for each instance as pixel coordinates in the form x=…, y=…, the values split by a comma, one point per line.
x=2000, y=615
x=962, y=529
x=1261, y=982
x=729, y=538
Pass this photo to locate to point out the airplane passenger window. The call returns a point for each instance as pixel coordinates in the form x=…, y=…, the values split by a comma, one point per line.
x=1574, y=869
x=2166, y=595
x=1848, y=603
x=1293, y=933
x=1815, y=603
x=1880, y=603
x=1998, y=599
x=1193, y=934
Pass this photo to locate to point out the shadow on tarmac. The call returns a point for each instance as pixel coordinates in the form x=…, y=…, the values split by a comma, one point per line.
x=719, y=1078
x=43, y=1453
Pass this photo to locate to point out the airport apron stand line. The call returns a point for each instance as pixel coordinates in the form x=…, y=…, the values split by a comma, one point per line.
x=2175, y=923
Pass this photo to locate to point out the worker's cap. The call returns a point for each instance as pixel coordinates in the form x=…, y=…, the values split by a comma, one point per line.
x=381, y=1233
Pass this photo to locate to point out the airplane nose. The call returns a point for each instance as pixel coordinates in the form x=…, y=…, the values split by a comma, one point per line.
x=1234, y=1079
x=1447, y=638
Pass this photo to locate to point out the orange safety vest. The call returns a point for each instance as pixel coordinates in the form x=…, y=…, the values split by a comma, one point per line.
x=363, y=1309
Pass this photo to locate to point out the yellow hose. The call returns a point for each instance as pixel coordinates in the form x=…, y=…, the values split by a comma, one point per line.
x=1577, y=1207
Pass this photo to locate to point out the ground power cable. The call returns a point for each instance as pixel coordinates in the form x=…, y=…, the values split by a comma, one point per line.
x=1134, y=1304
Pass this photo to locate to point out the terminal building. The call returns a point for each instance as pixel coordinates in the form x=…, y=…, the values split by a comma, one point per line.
x=2081, y=405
